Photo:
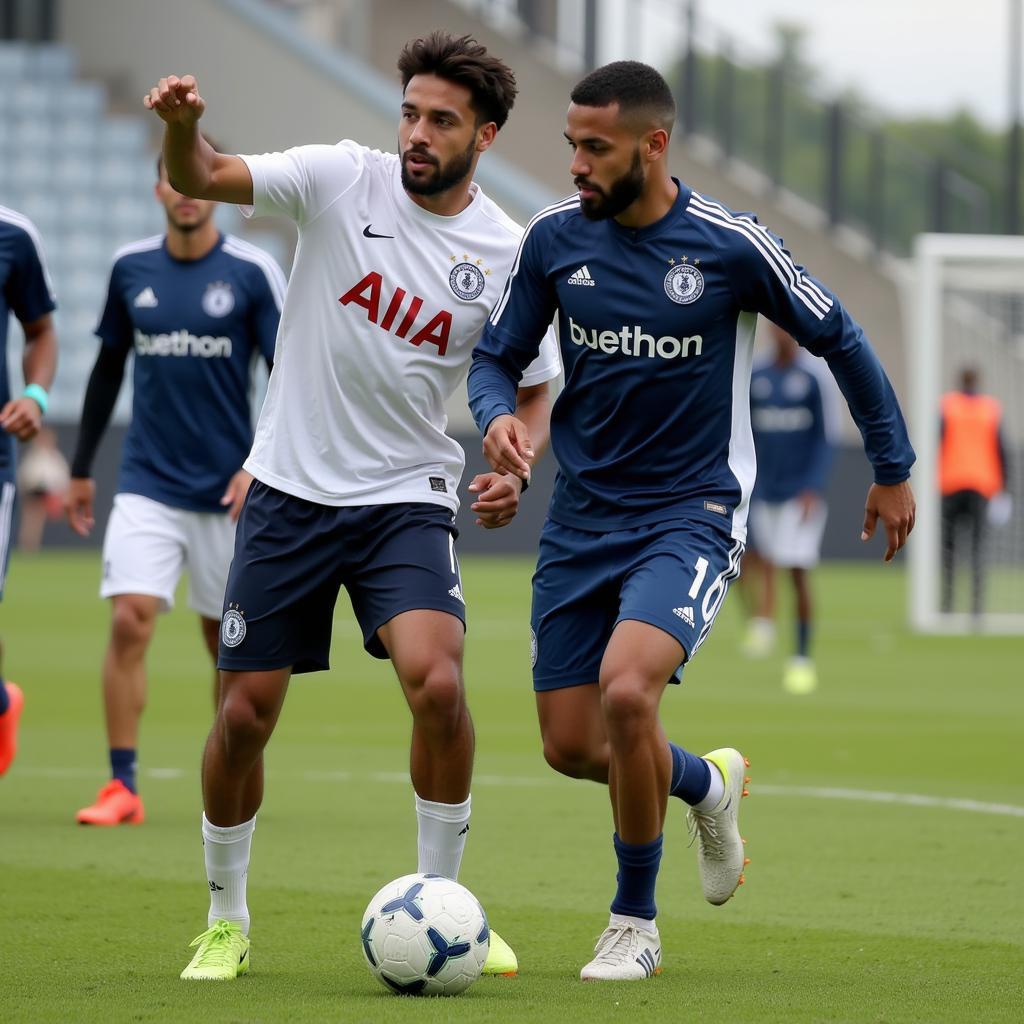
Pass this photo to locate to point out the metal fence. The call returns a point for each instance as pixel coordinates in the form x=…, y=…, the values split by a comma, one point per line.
x=761, y=111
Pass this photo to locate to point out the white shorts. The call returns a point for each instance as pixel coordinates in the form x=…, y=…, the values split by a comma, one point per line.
x=147, y=545
x=783, y=536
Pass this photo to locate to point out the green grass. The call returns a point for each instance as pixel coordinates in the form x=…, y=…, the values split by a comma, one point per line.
x=852, y=911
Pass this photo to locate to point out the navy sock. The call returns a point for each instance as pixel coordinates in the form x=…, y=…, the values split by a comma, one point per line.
x=691, y=776
x=122, y=765
x=803, y=638
x=638, y=873
x=5, y=701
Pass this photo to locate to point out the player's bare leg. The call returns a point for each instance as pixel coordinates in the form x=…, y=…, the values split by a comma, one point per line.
x=132, y=623
x=573, y=732
x=247, y=712
x=637, y=665
x=800, y=676
x=426, y=649
x=211, y=637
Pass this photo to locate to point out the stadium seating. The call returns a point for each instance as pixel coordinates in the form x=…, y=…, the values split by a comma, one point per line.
x=84, y=176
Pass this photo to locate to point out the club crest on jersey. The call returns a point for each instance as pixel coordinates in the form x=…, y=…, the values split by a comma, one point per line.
x=684, y=284
x=219, y=299
x=232, y=628
x=467, y=281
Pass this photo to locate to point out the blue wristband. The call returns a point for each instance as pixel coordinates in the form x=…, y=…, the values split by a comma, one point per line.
x=38, y=395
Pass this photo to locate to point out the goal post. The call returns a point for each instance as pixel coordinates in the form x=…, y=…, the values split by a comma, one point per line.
x=966, y=311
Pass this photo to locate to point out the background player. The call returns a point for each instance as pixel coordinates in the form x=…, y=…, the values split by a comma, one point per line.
x=793, y=423
x=656, y=464
x=400, y=259
x=196, y=307
x=972, y=473
x=25, y=291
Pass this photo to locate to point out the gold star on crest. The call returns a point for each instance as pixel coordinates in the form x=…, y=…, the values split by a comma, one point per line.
x=672, y=261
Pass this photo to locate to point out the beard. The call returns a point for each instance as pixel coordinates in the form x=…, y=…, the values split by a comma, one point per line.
x=445, y=176
x=624, y=192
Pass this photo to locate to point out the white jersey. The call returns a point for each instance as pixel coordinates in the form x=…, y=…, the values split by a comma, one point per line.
x=383, y=308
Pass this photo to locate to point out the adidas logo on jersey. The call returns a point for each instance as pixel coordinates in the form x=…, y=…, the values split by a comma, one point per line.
x=631, y=341
x=456, y=592
x=686, y=614
x=582, y=277
x=146, y=299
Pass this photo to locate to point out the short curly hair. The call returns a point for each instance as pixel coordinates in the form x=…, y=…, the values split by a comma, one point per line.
x=463, y=60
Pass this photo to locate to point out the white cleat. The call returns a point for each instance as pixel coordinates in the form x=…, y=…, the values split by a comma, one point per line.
x=624, y=953
x=720, y=854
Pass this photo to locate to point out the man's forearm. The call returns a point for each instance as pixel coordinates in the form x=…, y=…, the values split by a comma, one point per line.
x=39, y=364
x=189, y=159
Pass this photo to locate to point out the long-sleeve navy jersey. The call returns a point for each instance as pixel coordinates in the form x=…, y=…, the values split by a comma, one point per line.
x=656, y=329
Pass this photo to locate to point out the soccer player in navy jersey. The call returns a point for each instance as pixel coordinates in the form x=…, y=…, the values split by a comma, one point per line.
x=793, y=419
x=25, y=291
x=656, y=289
x=196, y=308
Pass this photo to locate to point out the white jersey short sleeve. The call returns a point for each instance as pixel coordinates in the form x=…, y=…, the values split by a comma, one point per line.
x=384, y=305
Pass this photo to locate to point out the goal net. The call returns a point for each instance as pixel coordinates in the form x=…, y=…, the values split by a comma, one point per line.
x=967, y=554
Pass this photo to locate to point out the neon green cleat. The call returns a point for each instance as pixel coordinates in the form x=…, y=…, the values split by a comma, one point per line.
x=501, y=960
x=720, y=854
x=223, y=954
x=800, y=676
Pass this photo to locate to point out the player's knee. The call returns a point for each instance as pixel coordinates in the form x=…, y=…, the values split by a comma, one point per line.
x=130, y=625
x=570, y=756
x=626, y=700
x=242, y=722
x=438, y=697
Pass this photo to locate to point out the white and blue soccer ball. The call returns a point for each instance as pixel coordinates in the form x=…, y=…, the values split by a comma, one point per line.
x=425, y=935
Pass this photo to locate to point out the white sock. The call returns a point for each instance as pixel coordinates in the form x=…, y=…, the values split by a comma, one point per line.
x=442, y=836
x=641, y=923
x=715, y=793
x=227, y=868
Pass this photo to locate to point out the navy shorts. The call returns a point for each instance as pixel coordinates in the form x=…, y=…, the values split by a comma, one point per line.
x=292, y=556
x=673, y=575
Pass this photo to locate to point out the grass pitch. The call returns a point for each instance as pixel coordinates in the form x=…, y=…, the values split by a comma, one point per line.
x=862, y=903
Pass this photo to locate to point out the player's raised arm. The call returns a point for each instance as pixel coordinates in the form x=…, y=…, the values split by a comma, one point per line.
x=194, y=167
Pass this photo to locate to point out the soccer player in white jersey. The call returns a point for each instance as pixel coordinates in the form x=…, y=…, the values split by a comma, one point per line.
x=400, y=259
x=25, y=291
x=657, y=291
x=196, y=308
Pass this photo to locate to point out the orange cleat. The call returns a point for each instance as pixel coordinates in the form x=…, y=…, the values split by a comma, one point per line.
x=9, y=726
x=116, y=804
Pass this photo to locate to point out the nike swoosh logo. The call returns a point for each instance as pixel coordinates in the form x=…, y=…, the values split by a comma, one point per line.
x=241, y=959
x=367, y=233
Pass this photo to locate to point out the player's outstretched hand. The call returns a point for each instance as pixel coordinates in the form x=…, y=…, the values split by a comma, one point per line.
x=894, y=505
x=497, y=499
x=238, y=488
x=507, y=446
x=21, y=417
x=78, y=503
x=176, y=100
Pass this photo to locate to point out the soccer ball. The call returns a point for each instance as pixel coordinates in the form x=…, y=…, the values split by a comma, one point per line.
x=425, y=935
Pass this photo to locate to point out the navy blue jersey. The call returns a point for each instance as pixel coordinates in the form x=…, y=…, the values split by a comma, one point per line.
x=195, y=327
x=656, y=329
x=793, y=419
x=25, y=291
